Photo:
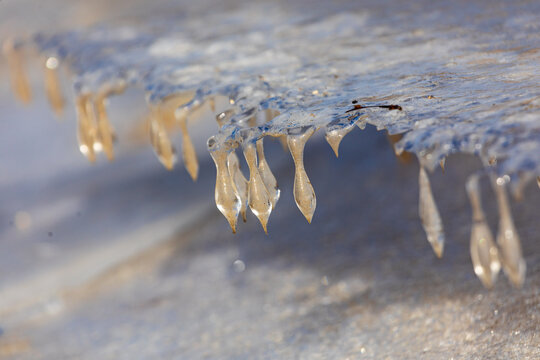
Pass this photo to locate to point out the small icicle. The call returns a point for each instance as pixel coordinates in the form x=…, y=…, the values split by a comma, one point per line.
x=239, y=181
x=304, y=195
x=443, y=164
x=259, y=200
x=538, y=181
x=19, y=79
x=484, y=253
x=160, y=140
x=188, y=150
x=268, y=178
x=335, y=136
x=507, y=238
x=226, y=198
x=86, y=131
x=429, y=214
x=104, y=128
x=52, y=85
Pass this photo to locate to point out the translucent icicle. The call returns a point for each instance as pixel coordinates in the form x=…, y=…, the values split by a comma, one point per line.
x=335, y=136
x=188, y=150
x=86, y=131
x=104, y=128
x=304, y=195
x=19, y=79
x=268, y=178
x=258, y=198
x=227, y=201
x=507, y=238
x=239, y=181
x=160, y=140
x=484, y=253
x=442, y=163
x=429, y=214
x=52, y=85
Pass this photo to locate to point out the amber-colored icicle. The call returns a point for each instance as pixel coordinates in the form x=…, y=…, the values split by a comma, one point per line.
x=268, y=178
x=160, y=140
x=86, y=131
x=508, y=240
x=19, y=79
x=104, y=128
x=304, y=195
x=188, y=150
x=52, y=85
x=227, y=201
x=240, y=183
x=484, y=252
x=259, y=199
x=429, y=214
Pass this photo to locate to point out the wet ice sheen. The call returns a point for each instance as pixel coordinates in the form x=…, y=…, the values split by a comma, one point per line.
x=463, y=80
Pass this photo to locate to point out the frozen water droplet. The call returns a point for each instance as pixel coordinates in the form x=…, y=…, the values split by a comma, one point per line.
x=304, y=195
x=258, y=197
x=484, y=252
x=508, y=240
x=160, y=140
x=104, y=128
x=188, y=150
x=86, y=132
x=19, y=79
x=223, y=117
x=335, y=136
x=226, y=198
x=240, y=183
x=429, y=214
x=52, y=86
x=268, y=178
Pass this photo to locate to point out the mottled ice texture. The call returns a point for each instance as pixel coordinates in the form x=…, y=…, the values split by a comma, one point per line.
x=466, y=74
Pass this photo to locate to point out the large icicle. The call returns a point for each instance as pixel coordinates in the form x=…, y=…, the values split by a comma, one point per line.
x=429, y=214
x=507, y=238
x=304, y=195
x=484, y=253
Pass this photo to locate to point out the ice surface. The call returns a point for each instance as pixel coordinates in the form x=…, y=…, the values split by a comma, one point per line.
x=466, y=74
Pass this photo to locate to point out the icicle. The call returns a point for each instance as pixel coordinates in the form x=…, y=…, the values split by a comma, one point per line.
x=86, y=131
x=507, y=238
x=335, y=136
x=104, y=129
x=403, y=156
x=442, y=163
x=304, y=195
x=239, y=181
x=188, y=150
x=538, y=181
x=258, y=198
x=226, y=198
x=52, y=85
x=429, y=214
x=19, y=79
x=160, y=140
x=267, y=176
x=484, y=253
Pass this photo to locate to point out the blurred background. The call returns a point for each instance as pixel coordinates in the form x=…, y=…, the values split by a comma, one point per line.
x=128, y=260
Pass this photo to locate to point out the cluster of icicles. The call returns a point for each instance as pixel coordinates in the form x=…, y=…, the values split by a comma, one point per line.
x=234, y=194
